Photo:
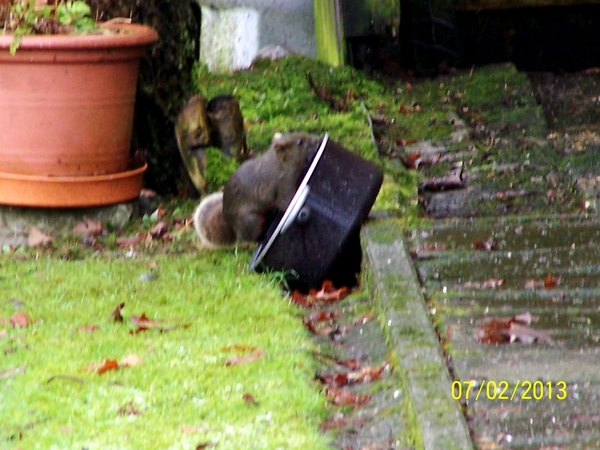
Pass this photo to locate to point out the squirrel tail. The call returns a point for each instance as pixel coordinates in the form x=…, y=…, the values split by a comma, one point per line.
x=211, y=227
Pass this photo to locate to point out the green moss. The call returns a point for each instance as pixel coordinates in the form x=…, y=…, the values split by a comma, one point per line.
x=276, y=96
x=183, y=391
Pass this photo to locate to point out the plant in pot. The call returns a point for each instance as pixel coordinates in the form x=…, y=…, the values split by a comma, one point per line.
x=67, y=95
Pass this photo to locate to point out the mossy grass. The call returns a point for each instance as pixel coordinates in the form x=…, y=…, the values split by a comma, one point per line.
x=181, y=394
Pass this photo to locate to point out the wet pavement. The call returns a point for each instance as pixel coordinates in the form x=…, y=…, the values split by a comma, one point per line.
x=554, y=381
x=494, y=315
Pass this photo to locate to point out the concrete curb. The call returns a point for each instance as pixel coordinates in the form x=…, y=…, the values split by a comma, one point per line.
x=412, y=338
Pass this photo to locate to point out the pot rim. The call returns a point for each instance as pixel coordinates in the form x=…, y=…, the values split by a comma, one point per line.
x=73, y=179
x=127, y=35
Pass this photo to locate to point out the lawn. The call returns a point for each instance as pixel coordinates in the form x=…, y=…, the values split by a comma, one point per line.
x=174, y=387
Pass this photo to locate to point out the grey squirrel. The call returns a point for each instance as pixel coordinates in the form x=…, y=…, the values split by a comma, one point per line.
x=259, y=186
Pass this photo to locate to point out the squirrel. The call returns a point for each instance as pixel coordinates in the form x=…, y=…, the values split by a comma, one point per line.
x=258, y=187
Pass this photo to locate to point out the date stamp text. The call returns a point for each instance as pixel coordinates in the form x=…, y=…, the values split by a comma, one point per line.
x=503, y=390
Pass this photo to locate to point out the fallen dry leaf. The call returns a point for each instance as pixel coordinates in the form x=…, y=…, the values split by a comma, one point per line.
x=37, y=238
x=89, y=227
x=143, y=323
x=9, y=373
x=507, y=330
x=88, y=328
x=158, y=230
x=549, y=282
x=343, y=397
x=450, y=182
x=488, y=245
x=249, y=398
x=340, y=421
x=364, y=375
x=20, y=320
x=130, y=409
x=129, y=241
x=109, y=364
x=321, y=329
x=328, y=293
x=116, y=316
x=130, y=361
x=243, y=359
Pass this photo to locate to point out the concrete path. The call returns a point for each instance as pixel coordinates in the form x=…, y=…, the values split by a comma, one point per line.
x=523, y=395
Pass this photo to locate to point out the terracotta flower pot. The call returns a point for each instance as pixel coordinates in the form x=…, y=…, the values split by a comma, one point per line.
x=66, y=102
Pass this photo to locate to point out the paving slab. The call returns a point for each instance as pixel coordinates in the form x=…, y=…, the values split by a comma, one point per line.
x=452, y=258
x=412, y=339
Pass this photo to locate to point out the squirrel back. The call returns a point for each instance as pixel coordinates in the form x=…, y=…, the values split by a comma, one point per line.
x=259, y=186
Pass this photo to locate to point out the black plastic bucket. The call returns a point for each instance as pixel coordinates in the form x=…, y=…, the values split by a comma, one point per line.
x=318, y=236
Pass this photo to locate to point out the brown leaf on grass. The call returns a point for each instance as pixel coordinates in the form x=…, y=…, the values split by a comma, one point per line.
x=249, y=398
x=88, y=328
x=243, y=359
x=130, y=409
x=158, y=230
x=158, y=213
x=20, y=320
x=89, y=227
x=240, y=348
x=113, y=364
x=343, y=397
x=130, y=360
x=129, y=241
x=109, y=364
x=507, y=330
x=488, y=245
x=37, y=238
x=490, y=283
x=205, y=445
x=9, y=373
x=116, y=316
x=143, y=323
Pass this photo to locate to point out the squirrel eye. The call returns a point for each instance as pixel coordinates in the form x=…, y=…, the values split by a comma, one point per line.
x=299, y=142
